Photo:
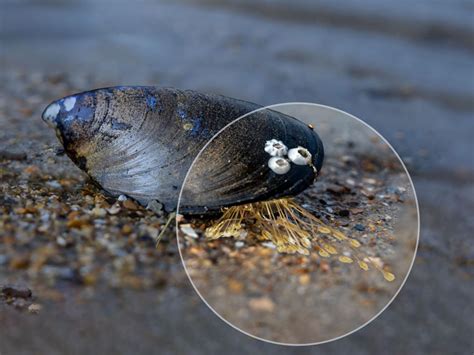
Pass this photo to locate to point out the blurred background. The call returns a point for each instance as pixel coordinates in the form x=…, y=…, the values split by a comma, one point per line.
x=406, y=68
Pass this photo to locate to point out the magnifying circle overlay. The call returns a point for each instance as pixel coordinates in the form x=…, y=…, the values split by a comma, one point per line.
x=304, y=269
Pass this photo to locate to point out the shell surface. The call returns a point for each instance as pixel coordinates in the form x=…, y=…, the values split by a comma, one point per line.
x=141, y=141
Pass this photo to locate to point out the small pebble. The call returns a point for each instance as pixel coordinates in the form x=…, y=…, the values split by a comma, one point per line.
x=304, y=279
x=343, y=213
x=129, y=204
x=35, y=308
x=357, y=210
x=350, y=182
x=155, y=207
x=114, y=209
x=269, y=245
x=16, y=291
x=262, y=304
x=235, y=286
x=337, y=189
x=99, y=212
x=19, y=303
x=189, y=231
x=54, y=184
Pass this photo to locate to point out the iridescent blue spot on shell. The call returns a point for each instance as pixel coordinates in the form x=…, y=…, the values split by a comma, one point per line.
x=83, y=113
x=80, y=112
x=197, y=127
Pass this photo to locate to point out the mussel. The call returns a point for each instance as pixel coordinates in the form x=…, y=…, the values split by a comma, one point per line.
x=141, y=142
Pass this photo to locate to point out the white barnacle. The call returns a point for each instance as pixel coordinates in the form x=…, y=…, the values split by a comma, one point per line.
x=300, y=156
x=69, y=103
x=279, y=165
x=276, y=148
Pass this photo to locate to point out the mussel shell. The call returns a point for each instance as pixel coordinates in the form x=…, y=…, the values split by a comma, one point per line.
x=141, y=142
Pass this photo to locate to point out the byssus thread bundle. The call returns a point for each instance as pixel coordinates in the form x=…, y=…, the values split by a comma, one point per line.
x=292, y=229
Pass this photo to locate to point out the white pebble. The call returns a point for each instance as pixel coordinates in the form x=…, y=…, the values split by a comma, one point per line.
x=350, y=182
x=279, y=165
x=122, y=198
x=61, y=241
x=54, y=184
x=189, y=231
x=269, y=245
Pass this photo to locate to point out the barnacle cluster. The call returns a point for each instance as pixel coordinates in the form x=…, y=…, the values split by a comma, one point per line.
x=279, y=163
x=292, y=229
